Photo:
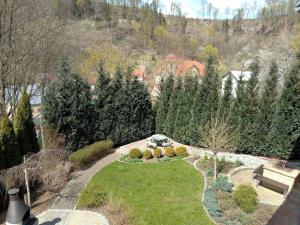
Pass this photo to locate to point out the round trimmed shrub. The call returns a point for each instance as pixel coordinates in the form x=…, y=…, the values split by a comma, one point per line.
x=181, y=151
x=170, y=152
x=157, y=153
x=246, y=198
x=148, y=154
x=135, y=153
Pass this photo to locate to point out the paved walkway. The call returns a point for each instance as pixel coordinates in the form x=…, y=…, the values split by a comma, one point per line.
x=69, y=195
x=71, y=217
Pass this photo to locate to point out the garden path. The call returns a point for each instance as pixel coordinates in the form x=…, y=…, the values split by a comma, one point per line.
x=67, y=199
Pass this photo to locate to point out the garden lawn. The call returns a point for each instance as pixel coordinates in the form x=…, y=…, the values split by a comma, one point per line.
x=166, y=193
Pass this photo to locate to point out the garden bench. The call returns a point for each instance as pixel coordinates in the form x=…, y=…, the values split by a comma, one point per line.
x=269, y=183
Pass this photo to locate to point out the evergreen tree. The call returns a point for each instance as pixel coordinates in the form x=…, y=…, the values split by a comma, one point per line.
x=81, y=118
x=163, y=103
x=265, y=112
x=184, y=112
x=101, y=97
x=227, y=98
x=250, y=108
x=173, y=107
x=8, y=142
x=284, y=135
x=239, y=108
x=24, y=127
x=206, y=102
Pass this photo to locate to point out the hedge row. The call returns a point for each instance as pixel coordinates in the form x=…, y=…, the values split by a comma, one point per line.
x=136, y=153
x=91, y=153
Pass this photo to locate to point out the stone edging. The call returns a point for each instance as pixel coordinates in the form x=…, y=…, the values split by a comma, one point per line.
x=150, y=162
x=104, y=220
x=204, y=190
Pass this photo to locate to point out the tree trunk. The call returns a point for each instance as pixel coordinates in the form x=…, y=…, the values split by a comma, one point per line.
x=215, y=166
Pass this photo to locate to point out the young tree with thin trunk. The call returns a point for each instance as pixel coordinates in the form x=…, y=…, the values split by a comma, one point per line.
x=218, y=136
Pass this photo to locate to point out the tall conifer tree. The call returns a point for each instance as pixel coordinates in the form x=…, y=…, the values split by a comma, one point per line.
x=227, y=98
x=167, y=87
x=265, y=112
x=173, y=107
x=251, y=102
x=101, y=98
x=284, y=136
x=9, y=144
x=24, y=127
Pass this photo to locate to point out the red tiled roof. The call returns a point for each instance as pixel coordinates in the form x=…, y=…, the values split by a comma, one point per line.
x=138, y=73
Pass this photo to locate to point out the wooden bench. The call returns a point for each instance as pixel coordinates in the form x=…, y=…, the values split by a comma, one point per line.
x=269, y=183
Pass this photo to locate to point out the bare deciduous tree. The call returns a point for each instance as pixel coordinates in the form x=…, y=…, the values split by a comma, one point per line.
x=26, y=27
x=219, y=136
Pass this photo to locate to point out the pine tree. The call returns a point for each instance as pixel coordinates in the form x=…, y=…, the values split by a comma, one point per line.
x=251, y=102
x=227, y=98
x=265, y=112
x=81, y=118
x=101, y=97
x=173, y=107
x=184, y=112
x=24, y=127
x=284, y=135
x=239, y=108
x=163, y=103
x=8, y=142
x=206, y=102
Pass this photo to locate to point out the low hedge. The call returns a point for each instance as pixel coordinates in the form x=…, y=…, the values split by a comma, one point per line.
x=148, y=154
x=246, y=198
x=181, y=151
x=135, y=153
x=170, y=152
x=157, y=153
x=91, y=153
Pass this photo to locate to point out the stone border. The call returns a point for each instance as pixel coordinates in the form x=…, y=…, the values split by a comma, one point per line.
x=152, y=162
x=204, y=190
x=104, y=220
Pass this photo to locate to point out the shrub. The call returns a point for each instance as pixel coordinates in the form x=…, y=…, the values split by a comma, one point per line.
x=181, y=151
x=170, y=152
x=91, y=153
x=148, y=154
x=222, y=184
x=239, y=163
x=246, y=197
x=135, y=153
x=210, y=172
x=157, y=153
x=211, y=203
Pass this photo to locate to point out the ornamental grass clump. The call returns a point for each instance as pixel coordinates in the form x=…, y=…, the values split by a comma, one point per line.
x=170, y=152
x=181, y=151
x=148, y=154
x=246, y=198
x=135, y=153
x=157, y=153
x=91, y=153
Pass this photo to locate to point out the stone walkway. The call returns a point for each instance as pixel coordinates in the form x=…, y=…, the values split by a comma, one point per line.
x=69, y=195
x=71, y=217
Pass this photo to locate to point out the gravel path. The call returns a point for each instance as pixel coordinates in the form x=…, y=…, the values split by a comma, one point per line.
x=69, y=195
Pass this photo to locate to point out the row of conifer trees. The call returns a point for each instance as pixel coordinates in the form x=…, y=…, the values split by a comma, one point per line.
x=265, y=122
x=17, y=138
x=118, y=109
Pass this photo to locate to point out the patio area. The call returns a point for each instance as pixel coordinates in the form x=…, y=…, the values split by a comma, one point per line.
x=265, y=195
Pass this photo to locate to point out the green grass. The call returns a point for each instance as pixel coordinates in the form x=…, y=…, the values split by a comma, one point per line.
x=167, y=193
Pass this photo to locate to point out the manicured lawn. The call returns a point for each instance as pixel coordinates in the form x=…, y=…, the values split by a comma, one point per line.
x=167, y=193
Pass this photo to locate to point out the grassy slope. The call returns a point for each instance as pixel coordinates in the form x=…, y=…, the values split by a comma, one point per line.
x=167, y=193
